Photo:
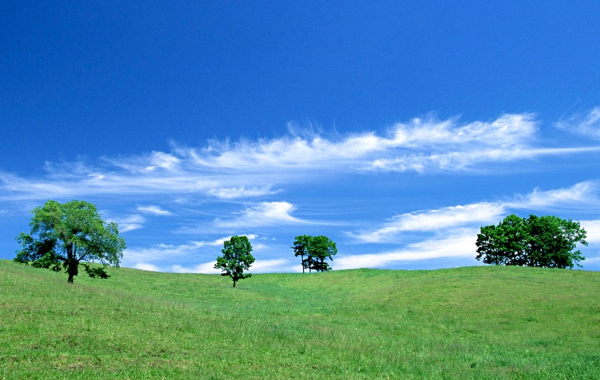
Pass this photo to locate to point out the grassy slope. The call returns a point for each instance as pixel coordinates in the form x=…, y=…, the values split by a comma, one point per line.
x=476, y=322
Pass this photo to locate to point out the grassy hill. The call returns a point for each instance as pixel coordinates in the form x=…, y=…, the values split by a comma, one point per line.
x=464, y=323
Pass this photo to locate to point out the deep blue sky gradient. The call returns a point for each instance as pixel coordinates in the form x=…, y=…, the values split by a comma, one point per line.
x=89, y=81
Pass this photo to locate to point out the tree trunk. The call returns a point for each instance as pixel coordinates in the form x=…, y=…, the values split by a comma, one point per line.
x=73, y=270
x=234, y=283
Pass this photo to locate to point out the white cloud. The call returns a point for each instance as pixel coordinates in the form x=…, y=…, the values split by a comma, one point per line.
x=263, y=214
x=146, y=267
x=592, y=227
x=586, y=124
x=583, y=192
x=513, y=130
x=161, y=252
x=433, y=220
x=129, y=223
x=161, y=160
x=460, y=245
x=155, y=210
x=259, y=266
x=206, y=268
x=241, y=192
x=451, y=217
x=463, y=160
x=265, y=266
x=249, y=168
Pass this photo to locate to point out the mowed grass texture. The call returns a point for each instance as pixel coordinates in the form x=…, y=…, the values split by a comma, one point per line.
x=464, y=323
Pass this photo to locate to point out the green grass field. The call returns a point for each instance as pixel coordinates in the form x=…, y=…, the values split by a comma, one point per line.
x=464, y=323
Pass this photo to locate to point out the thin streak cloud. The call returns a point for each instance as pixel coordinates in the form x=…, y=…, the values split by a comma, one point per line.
x=154, y=210
x=477, y=213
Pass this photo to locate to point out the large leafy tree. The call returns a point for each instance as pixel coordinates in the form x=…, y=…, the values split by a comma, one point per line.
x=236, y=258
x=65, y=235
x=546, y=241
x=317, y=249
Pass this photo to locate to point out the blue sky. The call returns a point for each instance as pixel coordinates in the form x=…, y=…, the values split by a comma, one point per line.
x=397, y=129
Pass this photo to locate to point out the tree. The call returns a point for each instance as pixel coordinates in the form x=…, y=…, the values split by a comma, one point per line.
x=317, y=249
x=301, y=249
x=236, y=258
x=65, y=235
x=546, y=241
x=321, y=248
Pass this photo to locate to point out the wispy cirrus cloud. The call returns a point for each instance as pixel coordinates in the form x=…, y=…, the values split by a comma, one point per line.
x=128, y=223
x=460, y=244
x=263, y=214
x=242, y=192
x=433, y=220
x=159, y=252
x=358, y=150
x=463, y=160
x=582, y=193
x=448, y=218
x=154, y=210
x=250, y=168
x=587, y=124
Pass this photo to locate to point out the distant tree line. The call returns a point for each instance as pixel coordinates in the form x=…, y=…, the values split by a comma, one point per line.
x=64, y=236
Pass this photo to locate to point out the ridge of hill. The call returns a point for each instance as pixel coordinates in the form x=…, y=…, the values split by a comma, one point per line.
x=467, y=323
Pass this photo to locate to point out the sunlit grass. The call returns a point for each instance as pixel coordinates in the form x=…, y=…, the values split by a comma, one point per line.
x=465, y=323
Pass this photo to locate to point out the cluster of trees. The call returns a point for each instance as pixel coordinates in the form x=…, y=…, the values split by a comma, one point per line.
x=314, y=250
x=65, y=236
x=546, y=241
x=237, y=256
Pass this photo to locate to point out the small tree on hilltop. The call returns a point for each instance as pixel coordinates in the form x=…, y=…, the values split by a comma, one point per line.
x=546, y=241
x=64, y=235
x=236, y=258
x=301, y=249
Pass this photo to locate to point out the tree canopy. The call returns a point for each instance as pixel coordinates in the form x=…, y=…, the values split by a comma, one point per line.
x=236, y=258
x=63, y=235
x=546, y=241
x=316, y=249
x=300, y=248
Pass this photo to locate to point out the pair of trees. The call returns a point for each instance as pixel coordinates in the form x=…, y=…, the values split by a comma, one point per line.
x=237, y=256
x=65, y=235
x=314, y=250
x=546, y=241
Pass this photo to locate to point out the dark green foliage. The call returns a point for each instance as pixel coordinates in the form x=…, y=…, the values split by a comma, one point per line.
x=98, y=272
x=317, y=249
x=301, y=249
x=236, y=258
x=546, y=241
x=64, y=235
